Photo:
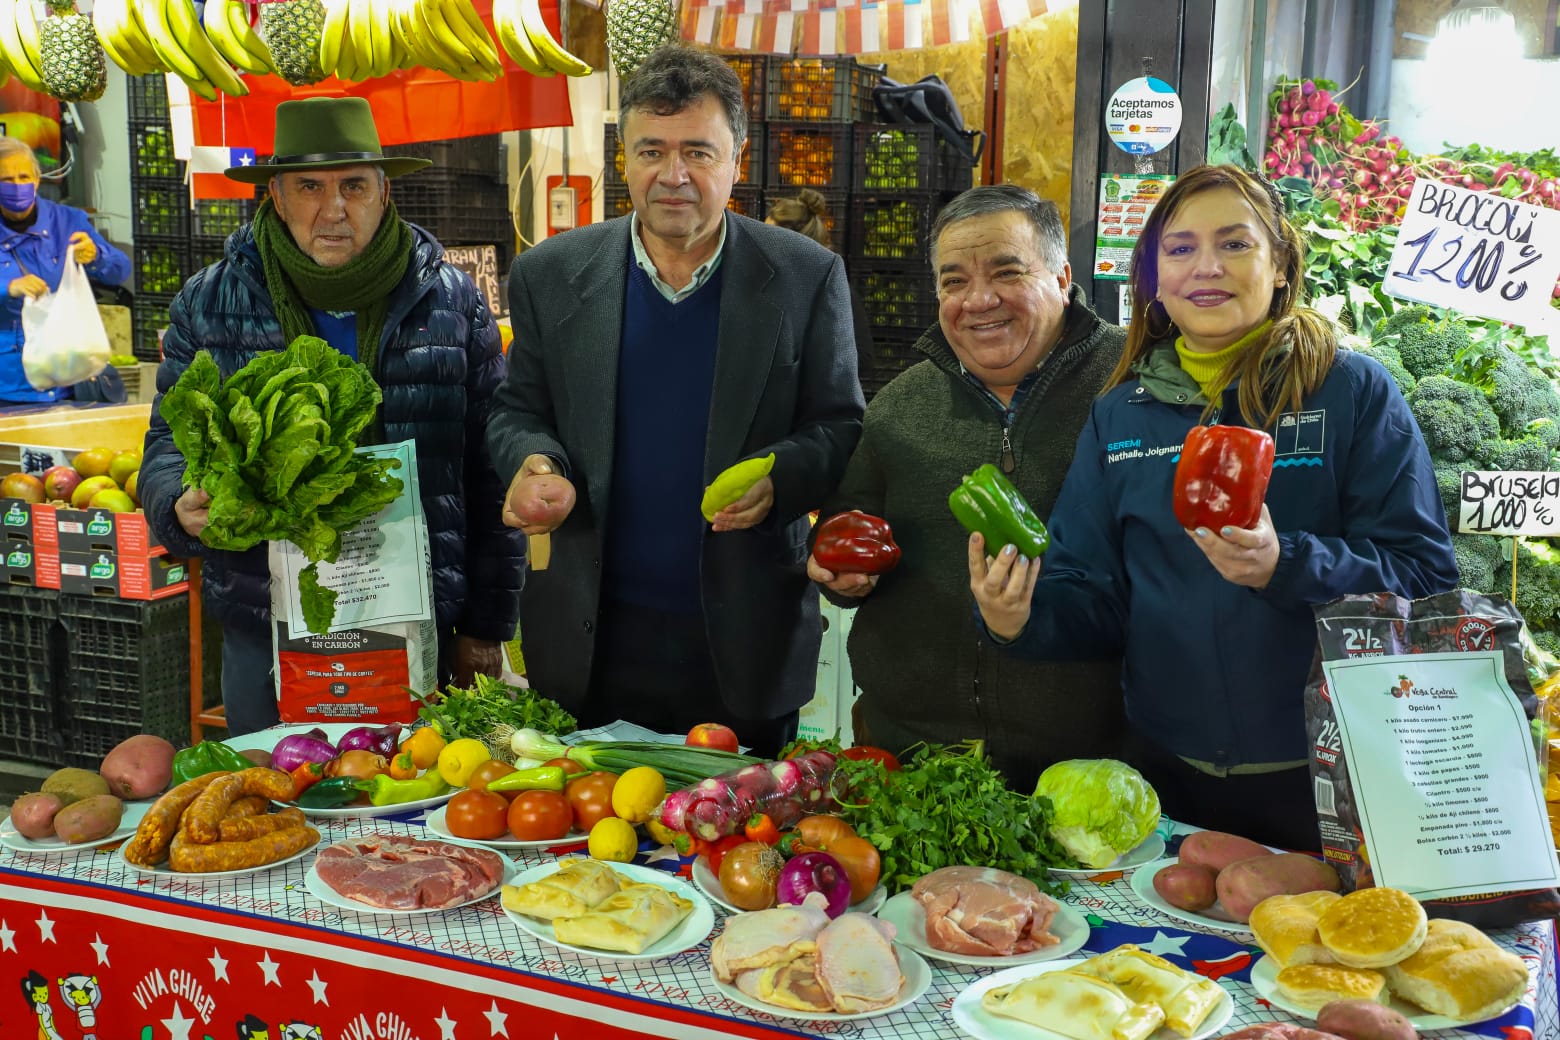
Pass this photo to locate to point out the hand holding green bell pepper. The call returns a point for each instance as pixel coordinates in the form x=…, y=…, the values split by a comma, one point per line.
x=987, y=502
x=206, y=757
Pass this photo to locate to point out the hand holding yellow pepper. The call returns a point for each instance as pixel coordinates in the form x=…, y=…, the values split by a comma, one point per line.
x=733, y=482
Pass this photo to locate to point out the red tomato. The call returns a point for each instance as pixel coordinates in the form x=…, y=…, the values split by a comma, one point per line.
x=590, y=797
x=490, y=770
x=483, y=815
x=539, y=815
x=866, y=753
x=712, y=735
x=568, y=765
x=717, y=853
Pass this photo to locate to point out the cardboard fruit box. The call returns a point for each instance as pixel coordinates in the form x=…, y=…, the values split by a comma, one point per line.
x=105, y=573
x=29, y=544
x=99, y=530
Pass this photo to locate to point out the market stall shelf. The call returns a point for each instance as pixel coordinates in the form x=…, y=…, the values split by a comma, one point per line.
x=1069, y=926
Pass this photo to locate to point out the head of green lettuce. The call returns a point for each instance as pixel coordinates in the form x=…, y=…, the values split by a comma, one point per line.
x=1100, y=808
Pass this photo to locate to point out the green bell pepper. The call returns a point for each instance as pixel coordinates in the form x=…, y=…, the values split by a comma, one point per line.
x=382, y=790
x=987, y=502
x=333, y=793
x=208, y=756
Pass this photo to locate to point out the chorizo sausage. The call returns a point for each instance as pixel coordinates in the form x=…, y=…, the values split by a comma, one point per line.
x=202, y=819
x=192, y=858
x=248, y=805
x=247, y=827
x=149, y=847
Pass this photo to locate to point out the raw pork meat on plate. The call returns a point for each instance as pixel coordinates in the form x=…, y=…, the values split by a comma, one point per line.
x=397, y=872
x=982, y=911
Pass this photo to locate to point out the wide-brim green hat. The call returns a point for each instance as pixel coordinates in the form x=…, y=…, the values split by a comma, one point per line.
x=323, y=133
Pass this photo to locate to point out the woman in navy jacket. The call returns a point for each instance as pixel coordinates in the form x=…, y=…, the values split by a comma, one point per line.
x=1216, y=627
x=36, y=237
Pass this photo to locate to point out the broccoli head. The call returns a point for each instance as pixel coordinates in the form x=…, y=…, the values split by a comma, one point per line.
x=1454, y=417
x=1538, y=583
x=1427, y=347
x=1548, y=640
x=1448, y=481
x=1477, y=557
x=1524, y=453
x=1519, y=393
x=1388, y=357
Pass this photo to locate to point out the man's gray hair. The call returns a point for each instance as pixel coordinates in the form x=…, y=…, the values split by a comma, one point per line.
x=674, y=77
x=11, y=146
x=1043, y=214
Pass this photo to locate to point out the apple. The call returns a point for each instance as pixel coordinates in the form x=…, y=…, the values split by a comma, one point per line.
x=24, y=486
x=712, y=735
x=59, y=482
x=113, y=500
x=89, y=487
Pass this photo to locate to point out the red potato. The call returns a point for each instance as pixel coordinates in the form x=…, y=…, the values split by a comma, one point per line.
x=1241, y=886
x=33, y=815
x=259, y=756
x=1186, y=886
x=1364, y=1020
x=138, y=767
x=1278, y=1031
x=89, y=819
x=1217, y=850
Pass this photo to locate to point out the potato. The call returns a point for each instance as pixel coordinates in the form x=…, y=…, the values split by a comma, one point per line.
x=1364, y=1020
x=1186, y=886
x=33, y=814
x=1242, y=885
x=259, y=756
x=1217, y=850
x=138, y=767
x=89, y=819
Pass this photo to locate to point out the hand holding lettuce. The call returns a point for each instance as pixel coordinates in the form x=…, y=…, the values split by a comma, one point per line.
x=274, y=446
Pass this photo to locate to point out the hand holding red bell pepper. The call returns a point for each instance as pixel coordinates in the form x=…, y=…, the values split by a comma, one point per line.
x=855, y=543
x=1222, y=477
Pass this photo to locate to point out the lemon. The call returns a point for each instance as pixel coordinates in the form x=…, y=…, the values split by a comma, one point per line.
x=637, y=794
x=664, y=834
x=460, y=758
x=613, y=839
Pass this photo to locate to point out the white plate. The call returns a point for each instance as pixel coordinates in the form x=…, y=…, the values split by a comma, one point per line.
x=692, y=930
x=1149, y=849
x=909, y=917
x=317, y=888
x=165, y=871
x=52, y=846
x=435, y=823
x=917, y=973
x=1264, y=976
x=1142, y=883
x=267, y=739
x=709, y=884
x=970, y=1016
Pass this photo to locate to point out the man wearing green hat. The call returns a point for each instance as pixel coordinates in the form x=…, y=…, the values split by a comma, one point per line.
x=327, y=256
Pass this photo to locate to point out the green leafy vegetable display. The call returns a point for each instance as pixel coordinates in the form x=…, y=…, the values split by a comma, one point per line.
x=947, y=807
x=274, y=446
x=1101, y=808
x=476, y=711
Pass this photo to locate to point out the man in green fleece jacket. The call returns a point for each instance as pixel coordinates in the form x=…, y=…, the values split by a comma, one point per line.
x=1012, y=366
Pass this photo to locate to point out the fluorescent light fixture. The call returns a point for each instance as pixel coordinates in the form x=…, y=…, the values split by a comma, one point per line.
x=1477, y=30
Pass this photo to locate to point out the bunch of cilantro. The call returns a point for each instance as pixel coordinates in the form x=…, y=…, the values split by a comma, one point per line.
x=274, y=446
x=948, y=806
x=477, y=710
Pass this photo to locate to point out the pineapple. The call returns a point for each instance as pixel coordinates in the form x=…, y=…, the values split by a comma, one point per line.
x=637, y=27
x=291, y=29
x=74, y=67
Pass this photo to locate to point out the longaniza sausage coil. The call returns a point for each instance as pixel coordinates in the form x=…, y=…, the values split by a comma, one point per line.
x=202, y=819
x=149, y=847
x=192, y=858
x=247, y=827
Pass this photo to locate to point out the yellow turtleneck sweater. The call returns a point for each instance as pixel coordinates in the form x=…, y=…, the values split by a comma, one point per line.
x=1206, y=368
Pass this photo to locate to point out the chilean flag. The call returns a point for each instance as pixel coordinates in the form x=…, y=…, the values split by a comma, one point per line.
x=207, y=163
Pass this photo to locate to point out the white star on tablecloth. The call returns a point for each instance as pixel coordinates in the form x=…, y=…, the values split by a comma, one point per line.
x=7, y=937
x=496, y=1020
x=178, y=1025
x=45, y=927
x=446, y=1025
x=99, y=947
x=664, y=852
x=218, y=966
x=268, y=966
x=1164, y=946
x=317, y=984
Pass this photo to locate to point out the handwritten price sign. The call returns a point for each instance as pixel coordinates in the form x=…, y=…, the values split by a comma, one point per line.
x=1475, y=252
x=1509, y=502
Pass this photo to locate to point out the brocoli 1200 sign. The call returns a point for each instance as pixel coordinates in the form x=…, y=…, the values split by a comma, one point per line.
x=274, y=446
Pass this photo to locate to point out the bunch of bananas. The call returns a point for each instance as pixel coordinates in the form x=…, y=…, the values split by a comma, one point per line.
x=144, y=37
x=530, y=43
x=20, y=46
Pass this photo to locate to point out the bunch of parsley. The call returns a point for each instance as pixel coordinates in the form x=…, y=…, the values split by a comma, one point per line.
x=274, y=446
x=478, y=710
x=948, y=807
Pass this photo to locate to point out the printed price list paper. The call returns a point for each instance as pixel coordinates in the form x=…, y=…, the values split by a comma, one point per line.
x=1445, y=774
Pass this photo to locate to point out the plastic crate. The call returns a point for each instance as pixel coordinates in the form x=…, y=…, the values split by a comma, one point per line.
x=893, y=351
x=808, y=155
x=754, y=156
x=29, y=670
x=752, y=70
x=819, y=90
x=615, y=201
x=219, y=218
x=481, y=154
x=148, y=317
x=127, y=671
x=836, y=219
x=148, y=98
x=898, y=295
x=161, y=265
x=151, y=151
x=162, y=207
x=891, y=227
x=205, y=251
x=905, y=157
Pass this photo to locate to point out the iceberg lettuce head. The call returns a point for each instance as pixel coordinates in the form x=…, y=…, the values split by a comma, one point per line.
x=1101, y=808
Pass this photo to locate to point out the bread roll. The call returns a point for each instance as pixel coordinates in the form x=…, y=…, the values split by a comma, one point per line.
x=1372, y=927
x=1285, y=928
x=1311, y=986
x=1459, y=972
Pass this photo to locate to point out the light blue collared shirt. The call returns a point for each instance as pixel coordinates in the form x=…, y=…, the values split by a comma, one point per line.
x=701, y=274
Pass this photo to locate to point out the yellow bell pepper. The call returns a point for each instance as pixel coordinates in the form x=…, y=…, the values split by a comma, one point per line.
x=424, y=746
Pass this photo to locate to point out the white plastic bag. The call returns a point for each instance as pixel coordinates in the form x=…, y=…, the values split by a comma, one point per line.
x=63, y=341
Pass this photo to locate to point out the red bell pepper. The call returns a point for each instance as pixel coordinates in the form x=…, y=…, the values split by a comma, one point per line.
x=855, y=543
x=1222, y=477
x=868, y=753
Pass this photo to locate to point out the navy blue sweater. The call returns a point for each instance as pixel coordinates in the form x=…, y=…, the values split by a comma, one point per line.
x=666, y=369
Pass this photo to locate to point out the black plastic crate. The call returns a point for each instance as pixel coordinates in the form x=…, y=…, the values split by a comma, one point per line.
x=219, y=218
x=751, y=69
x=148, y=317
x=836, y=219
x=148, y=98
x=754, y=156
x=898, y=295
x=127, y=671
x=615, y=201
x=905, y=157
x=892, y=227
x=205, y=251
x=808, y=155
x=151, y=150
x=893, y=351
x=481, y=154
x=162, y=207
x=161, y=264
x=29, y=675
x=819, y=90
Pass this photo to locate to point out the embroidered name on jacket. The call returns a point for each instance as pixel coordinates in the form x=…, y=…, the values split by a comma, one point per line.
x=1123, y=451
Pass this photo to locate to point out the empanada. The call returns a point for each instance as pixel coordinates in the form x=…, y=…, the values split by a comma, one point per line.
x=635, y=918
x=1080, y=1006
x=577, y=886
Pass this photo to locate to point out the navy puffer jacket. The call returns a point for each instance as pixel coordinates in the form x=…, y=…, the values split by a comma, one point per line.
x=439, y=362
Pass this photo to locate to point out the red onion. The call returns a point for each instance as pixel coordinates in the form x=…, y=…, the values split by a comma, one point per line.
x=814, y=872
x=292, y=751
x=381, y=740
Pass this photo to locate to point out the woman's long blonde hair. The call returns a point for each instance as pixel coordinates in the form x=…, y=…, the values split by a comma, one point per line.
x=1277, y=372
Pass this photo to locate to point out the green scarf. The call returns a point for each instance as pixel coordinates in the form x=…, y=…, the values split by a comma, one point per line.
x=362, y=285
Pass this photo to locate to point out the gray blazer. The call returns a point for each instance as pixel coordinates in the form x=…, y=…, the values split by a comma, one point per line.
x=785, y=381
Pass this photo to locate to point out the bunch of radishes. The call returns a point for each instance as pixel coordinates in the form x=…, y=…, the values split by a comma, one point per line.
x=785, y=790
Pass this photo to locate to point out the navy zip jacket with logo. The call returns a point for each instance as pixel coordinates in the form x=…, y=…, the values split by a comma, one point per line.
x=1215, y=671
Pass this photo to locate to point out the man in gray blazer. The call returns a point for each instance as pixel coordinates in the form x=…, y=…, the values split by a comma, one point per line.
x=651, y=352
